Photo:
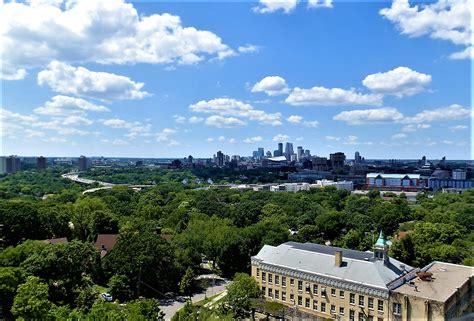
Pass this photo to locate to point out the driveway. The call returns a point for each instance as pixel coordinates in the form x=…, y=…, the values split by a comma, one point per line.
x=171, y=309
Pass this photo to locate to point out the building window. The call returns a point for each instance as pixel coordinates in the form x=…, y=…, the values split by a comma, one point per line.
x=308, y=288
x=292, y=297
x=292, y=281
x=315, y=305
x=258, y=272
x=264, y=290
x=351, y=315
x=277, y=279
x=361, y=301
x=341, y=310
x=333, y=292
x=341, y=294
x=300, y=300
x=283, y=296
x=371, y=303
x=283, y=281
x=379, y=319
x=333, y=309
x=300, y=285
x=352, y=298
x=323, y=291
x=397, y=309
x=270, y=278
x=323, y=307
x=270, y=292
x=380, y=305
x=315, y=289
x=306, y=303
x=370, y=318
x=264, y=276
x=361, y=316
x=277, y=294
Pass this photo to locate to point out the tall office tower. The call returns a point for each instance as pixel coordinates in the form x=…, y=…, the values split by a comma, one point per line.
x=280, y=149
x=255, y=154
x=41, y=162
x=83, y=163
x=357, y=158
x=289, y=151
x=10, y=164
x=307, y=153
x=220, y=158
x=299, y=153
x=261, y=152
x=337, y=160
x=269, y=154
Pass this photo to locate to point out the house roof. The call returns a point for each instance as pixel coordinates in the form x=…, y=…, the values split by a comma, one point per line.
x=105, y=243
x=360, y=267
x=399, y=176
x=58, y=240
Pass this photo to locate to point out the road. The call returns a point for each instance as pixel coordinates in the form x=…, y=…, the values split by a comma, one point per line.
x=170, y=310
x=104, y=185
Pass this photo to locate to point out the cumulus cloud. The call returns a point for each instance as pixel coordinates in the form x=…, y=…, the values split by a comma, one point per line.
x=65, y=105
x=313, y=123
x=79, y=81
x=445, y=113
x=224, y=122
x=334, y=138
x=320, y=4
x=272, y=86
x=294, y=119
x=280, y=138
x=399, y=136
x=106, y=32
x=190, y=120
x=444, y=20
x=248, y=48
x=415, y=127
x=270, y=6
x=253, y=140
x=364, y=116
x=232, y=111
x=164, y=135
x=401, y=81
x=458, y=127
x=320, y=96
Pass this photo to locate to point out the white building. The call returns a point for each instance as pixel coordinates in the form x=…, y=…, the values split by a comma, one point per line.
x=459, y=175
x=347, y=185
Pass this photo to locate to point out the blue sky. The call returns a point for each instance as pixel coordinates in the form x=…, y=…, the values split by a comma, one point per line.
x=154, y=79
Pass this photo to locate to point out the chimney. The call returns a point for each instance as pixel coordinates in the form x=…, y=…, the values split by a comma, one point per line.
x=338, y=258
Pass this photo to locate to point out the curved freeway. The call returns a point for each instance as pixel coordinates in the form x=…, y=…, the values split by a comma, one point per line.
x=103, y=185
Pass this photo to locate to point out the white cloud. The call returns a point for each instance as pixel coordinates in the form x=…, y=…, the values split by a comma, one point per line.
x=414, y=127
x=458, y=127
x=190, y=120
x=65, y=105
x=399, y=136
x=173, y=143
x=221, y=138
x=248, y=48
x=272, y=86
x=280, y=138
x=209, y=139
x=313, y=123
x=253, y=140
x=164, y=135
x=331, y=97
x=333, y=138
x=445, y=20
x=269, y=6
x=234, y=109
x=364, y=116
x=320, y=4
x=224, y=122
x=467, y=53
x=106, y=32
x=351, y=140
x=294, y=119
x=232, y=141
x=116, y=123
x=299, y=139
x=401, y=81
x=446, y=113
x=79, y=81
x=76, y=120
x=119, y=142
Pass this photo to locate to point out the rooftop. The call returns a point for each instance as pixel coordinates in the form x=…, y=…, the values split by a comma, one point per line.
x=398, y=176
x=446, y=279
x=358, y=266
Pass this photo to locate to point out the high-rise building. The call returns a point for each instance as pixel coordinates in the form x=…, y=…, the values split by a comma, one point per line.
x=307, y=153
x=289, y=151
x=41, y=162
x=83, y=163
x=337, y=160
x=280, y=149
x=261, y=152
x=269, y=154
x=10, y=164
x=220, y=158
x=299, y=153
x=357, y=158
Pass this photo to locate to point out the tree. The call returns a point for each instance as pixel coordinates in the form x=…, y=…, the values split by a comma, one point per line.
x=119, y=286
x=21, y=222
x=186, y=285
x=31, y=301
x=148, y=309
x=240, y=292
x=10, y=279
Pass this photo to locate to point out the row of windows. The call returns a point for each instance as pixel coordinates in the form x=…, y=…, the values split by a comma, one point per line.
x=314, y=304
x=315, y=289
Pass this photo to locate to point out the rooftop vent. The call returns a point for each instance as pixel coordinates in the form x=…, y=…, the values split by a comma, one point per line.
x=338, y=258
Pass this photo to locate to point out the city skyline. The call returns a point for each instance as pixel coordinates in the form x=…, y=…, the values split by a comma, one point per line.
x=168, y=80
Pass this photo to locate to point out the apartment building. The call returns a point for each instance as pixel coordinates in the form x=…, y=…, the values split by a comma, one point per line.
x=327, y=281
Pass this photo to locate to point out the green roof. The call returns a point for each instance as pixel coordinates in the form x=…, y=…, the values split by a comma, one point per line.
x=380, y=240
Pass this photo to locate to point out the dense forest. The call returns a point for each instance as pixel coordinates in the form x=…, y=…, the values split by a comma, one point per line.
x=165, y=231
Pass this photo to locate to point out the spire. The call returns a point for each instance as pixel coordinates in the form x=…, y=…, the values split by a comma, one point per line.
x=381, y=241
x=381, y=248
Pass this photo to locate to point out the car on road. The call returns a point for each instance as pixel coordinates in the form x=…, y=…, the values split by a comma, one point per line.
x=107, y=297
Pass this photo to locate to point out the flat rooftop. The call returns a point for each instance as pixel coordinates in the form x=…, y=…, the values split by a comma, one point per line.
x=445, y=281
